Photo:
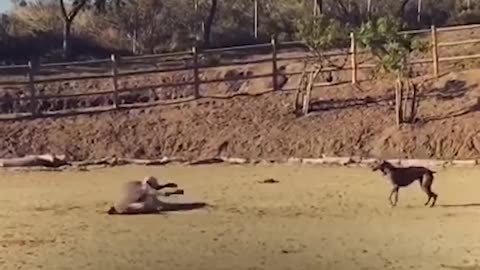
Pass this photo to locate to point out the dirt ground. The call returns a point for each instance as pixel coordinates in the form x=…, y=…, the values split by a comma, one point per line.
x=314, y=218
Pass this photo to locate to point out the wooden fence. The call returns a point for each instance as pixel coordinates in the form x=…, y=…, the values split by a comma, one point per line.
x=194, y=65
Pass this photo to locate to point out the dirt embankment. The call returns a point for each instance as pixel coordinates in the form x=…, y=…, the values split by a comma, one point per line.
x=345, y=121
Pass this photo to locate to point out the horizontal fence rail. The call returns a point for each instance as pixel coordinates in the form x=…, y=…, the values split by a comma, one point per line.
x=193, y=63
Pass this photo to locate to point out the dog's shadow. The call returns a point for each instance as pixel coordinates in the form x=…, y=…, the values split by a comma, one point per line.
x=460, y=205
x=464, y=205
x=473, y=267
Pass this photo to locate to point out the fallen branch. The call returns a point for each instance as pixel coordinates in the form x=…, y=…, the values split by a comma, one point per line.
x=55, y=162
x=206, y=161
x=48, y=161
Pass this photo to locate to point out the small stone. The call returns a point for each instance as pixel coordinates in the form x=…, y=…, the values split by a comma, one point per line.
x=269, y=181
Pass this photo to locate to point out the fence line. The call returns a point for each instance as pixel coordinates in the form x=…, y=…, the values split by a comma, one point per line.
x=226, y=49
x=77, y=63
x=113, y=65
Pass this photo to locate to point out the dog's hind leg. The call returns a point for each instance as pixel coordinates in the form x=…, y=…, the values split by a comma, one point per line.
x=435, y=196
x=427, y=188
x=431, y=196
x=394, y=191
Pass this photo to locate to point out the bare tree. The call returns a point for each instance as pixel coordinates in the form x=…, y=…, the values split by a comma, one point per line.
x=209, y=23
x=402, y=8
x=154, y=25
x=68, y=18
x=318, y=8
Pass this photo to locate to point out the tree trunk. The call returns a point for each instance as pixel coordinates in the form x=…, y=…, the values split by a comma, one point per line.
x=66, y=38
x=100, y=5
x=68, y=18
x=413, y=106
x=398, y=102
x=405, y=95
x=209, y=24
x=403, y=7
x=320, y=7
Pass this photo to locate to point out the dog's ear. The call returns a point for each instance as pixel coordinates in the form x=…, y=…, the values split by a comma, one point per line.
x=374, y=165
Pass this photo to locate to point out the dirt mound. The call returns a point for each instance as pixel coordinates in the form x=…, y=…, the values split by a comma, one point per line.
x=345, y=121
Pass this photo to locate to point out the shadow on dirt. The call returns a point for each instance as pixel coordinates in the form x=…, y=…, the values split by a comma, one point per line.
x=180, y=207
x=473, y=267
x=167, y=207
x=453, y=89
x=466, y=205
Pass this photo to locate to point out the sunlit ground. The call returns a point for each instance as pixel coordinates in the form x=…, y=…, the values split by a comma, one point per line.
x=314, y=218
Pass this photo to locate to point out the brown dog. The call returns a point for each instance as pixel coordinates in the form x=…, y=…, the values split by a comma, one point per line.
x=404, y=176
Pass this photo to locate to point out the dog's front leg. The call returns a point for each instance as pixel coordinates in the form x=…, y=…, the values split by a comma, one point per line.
x=394, y=191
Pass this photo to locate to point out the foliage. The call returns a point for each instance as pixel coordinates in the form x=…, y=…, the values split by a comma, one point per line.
x=380, y=36
x=321, y=34
x=111, y=22
x=154, y=23
x=38, y=17
x=276, y=18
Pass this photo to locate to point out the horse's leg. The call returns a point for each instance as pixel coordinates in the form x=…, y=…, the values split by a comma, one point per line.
x=167, y=185
x=176, y=192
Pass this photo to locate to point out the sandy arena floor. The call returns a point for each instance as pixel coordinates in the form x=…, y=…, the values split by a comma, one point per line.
x=315, y=218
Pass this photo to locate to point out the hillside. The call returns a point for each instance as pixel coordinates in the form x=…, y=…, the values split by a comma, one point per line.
x=345, y=121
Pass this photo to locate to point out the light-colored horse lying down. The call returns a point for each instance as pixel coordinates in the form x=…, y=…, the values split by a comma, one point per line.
x=140, y=197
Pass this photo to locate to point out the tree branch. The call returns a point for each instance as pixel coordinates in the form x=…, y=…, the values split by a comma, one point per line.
x=403, y=5
x=76, y=9
x=343, y=8
x=63, y=9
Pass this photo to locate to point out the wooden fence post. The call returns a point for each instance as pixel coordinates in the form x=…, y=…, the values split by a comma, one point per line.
x=398, y=101
x=114, y=80
x=255, y=18
x=196, y=80
x=274, y=64
x=435, y=51
x=353, y=51
x=31, y=86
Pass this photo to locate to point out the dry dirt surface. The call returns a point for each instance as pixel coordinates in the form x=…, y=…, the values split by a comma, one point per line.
x=313, y=218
